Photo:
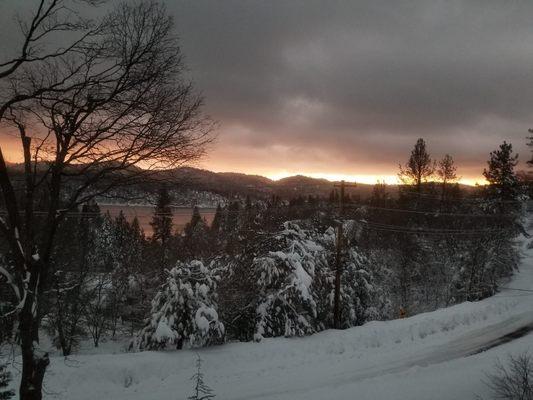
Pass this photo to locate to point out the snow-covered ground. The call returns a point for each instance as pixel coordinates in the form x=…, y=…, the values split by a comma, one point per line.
x=428, y=356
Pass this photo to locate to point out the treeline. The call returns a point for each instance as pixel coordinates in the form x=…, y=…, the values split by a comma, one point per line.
x=267, y=268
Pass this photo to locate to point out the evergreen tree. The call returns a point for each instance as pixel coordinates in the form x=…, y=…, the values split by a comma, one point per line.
x=162, y=218
x=361, y=296
x=362, y=299
x=232, y=217
x=136, y=229
x=217, y=220
x=447, y=173
x=504, y=187
x=285, y=274
x=419, y=168
x=125, y=297
x=247, y=215
x=196, y=237
x=184, y=310
x=196, y=219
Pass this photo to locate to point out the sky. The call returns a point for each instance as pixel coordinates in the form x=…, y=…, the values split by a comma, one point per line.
x=345, y=88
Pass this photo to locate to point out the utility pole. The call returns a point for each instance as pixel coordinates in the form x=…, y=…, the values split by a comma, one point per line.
x=338, y=257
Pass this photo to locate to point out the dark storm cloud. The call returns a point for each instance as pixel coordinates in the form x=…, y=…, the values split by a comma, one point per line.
x=363, y=79
x=348, y=86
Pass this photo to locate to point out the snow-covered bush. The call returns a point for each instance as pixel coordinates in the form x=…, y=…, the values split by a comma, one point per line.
x=184, y=310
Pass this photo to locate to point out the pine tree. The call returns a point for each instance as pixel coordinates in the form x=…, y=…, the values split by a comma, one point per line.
x=362, y=299
x=162, y=218
x=184, y=310
x=5, y=378
x=447, y=173
x=196, y=219
x=503, y=182
x=217, y=220
x=285, y=273
x=419, y=168
x=201, y=390
x=136, y=229
x=196, y=237
x=246, y=216
x=232, y=217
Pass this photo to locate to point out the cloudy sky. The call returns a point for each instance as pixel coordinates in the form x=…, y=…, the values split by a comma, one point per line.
x=346, y=87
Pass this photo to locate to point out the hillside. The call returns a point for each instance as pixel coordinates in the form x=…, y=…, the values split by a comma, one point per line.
x=234, y=185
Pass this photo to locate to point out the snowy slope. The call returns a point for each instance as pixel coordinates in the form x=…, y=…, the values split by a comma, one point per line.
x=427, y=356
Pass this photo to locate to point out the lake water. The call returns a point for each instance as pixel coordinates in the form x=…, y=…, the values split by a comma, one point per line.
x=180, y=215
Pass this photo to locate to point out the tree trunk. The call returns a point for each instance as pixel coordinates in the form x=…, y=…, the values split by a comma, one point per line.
x=34, y=362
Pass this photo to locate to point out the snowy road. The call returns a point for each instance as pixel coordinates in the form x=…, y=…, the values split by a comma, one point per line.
x=466, y=345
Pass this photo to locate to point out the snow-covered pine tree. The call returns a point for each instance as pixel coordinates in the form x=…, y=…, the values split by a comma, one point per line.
x=361, y=298
x=184, y=310
x=285, y=277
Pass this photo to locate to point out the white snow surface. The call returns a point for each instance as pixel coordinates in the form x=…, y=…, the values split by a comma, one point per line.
x=427, y=356
x=163, y=332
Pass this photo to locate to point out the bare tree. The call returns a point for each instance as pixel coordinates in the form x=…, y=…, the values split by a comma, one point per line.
x=106, y=111
x=51, y=20
x=95, y=308
x=513, y=381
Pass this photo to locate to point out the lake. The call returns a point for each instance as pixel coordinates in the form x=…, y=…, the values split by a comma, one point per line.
x=180, y=215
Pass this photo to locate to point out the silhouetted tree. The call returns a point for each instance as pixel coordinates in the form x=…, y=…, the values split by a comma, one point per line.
x=379, y=196
x=447, y=173
x=504, y=187
x=217, y=220
x=162, y=218
x=419, y=168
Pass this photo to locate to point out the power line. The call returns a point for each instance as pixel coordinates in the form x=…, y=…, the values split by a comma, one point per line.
x=464, y=199
x=429, y=213
x=427, y=231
